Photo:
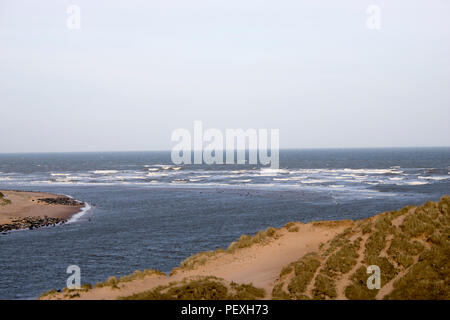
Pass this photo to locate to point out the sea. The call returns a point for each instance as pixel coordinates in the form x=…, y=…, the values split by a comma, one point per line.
x=144, y=212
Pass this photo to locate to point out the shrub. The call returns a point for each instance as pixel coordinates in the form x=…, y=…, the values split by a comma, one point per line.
x=427, y=279
x=343, y=260
x=247, y=291
x=358, y=290
x=324, y=288
x=112, y=282
x=49, y=292
x=375, y=243
x=278, y=293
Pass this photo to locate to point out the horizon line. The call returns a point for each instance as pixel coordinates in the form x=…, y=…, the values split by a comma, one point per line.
x=168, y=150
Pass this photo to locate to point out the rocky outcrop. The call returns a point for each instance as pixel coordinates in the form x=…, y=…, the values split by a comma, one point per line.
x=31, y=223
x=66, y=201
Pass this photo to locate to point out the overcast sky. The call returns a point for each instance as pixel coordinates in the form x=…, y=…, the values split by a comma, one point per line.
x=137, y=70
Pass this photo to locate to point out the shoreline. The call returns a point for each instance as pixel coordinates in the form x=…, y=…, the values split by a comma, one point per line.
x=21, y=210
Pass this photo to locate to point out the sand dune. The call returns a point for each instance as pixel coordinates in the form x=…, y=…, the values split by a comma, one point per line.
x=317, y=260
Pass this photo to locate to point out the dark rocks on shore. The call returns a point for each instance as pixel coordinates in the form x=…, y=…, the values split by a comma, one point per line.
x=31, y=223
x=66, y=201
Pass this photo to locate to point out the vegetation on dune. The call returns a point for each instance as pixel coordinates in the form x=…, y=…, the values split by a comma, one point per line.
x=201, y=288
x=49, y=293
x=402, y=250
x=246, y=291
x=411, y=247
x=427, y=279
x=343, y=259
x=292, y=227
x=303, y=271
x=141, y=275
x=423, y=236
x=324, y=288
x=358, y=290
x=245, y=241
x=68, y=293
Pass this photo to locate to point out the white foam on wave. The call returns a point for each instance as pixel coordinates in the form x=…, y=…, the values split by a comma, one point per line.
x=157, y=174
x=130, y=177
x=162, y=167
x=416, y=183
x=272, y=172
x=78, y=215
x=105, y=171
x=241, y=180
x=315, y=181
x=435, y=178
x=396, y=178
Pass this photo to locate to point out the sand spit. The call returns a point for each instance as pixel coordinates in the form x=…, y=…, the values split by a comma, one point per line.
x=30, y=210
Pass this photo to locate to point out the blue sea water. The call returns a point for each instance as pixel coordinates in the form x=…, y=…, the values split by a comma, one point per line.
x=148, y=213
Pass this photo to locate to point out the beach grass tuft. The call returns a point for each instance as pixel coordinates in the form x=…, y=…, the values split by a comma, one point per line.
x=200, y=288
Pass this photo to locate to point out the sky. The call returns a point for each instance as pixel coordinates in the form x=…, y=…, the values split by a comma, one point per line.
x=137, y=70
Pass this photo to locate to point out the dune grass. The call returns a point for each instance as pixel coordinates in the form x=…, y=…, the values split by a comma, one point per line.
x=201, y=288
x=324, y=288
x=343, y=260
x=417, y=247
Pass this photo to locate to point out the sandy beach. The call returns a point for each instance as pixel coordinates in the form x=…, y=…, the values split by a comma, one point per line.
x=22, y=204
